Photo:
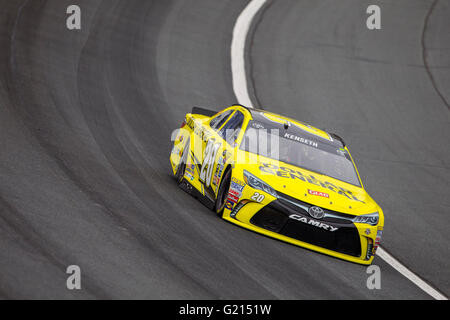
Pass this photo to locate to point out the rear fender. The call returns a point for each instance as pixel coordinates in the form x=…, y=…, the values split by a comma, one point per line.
x=180, y=137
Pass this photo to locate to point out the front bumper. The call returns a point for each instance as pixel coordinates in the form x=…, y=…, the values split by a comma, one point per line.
x=275, y=217
x=348, y=241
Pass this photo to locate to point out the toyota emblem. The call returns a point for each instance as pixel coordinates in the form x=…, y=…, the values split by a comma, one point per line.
x=316, y=212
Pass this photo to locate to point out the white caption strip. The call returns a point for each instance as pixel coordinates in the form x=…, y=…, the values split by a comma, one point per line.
x=240, y=88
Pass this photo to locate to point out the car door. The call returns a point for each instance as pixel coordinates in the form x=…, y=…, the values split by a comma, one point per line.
x=212, y=143
x=221, y=148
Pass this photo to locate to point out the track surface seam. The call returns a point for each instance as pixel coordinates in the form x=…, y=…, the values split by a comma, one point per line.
x=425, y=54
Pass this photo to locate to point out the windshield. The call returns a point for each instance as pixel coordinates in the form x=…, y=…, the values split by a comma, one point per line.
x=302, y=152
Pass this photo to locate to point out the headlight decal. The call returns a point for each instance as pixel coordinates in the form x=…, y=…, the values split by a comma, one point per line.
x=371, y=219
x=258, y=184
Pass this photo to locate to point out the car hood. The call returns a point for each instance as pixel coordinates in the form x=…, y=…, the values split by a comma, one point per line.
x=313, y=188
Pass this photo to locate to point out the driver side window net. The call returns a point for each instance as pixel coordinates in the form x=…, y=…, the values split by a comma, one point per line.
x=231, y=129
x=219, y=120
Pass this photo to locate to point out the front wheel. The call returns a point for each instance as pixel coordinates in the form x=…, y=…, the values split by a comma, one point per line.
x=222, y=195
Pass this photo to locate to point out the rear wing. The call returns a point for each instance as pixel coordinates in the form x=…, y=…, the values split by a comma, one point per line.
x=335, y=136
x=203, y=111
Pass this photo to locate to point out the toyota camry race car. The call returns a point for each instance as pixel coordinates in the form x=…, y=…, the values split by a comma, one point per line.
x=279, y=177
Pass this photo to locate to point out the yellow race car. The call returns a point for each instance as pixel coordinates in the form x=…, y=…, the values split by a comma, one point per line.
x=279, y=177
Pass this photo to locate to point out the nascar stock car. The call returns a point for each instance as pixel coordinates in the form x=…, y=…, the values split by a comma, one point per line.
x=280, y=177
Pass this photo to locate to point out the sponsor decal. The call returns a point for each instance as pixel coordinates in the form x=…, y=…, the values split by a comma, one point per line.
x=377, y=240
x=190, y=176
x=198, y=129
x=288, y=173
x=233, y=198
x=234, y=193
x=342, y=152
x=229, y=205
x=190, y=168
x=190, y=123
x=216, y=177
x=318, y=193
x=176, y=150
x=314, y=223
x=237, y=184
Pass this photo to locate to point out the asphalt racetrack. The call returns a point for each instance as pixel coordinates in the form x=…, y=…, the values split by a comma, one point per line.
x=86, y=118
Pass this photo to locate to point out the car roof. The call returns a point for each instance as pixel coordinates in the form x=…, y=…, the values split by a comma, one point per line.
x=294, y=127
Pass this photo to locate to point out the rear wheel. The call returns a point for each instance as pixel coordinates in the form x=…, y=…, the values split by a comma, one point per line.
x=182, y=165
x=222, y=195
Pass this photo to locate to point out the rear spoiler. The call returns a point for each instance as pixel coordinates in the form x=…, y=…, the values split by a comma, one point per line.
x=203, y=111
x=335, y=136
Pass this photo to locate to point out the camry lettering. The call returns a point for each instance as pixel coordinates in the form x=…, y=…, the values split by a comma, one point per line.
x=312, y=222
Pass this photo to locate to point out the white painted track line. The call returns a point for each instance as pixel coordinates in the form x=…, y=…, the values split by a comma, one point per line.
x=409, y=274
x=240, y=32
x=240, y=88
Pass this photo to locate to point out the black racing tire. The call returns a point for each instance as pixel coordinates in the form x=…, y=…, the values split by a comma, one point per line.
x=223, y=192
x=182, y=166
